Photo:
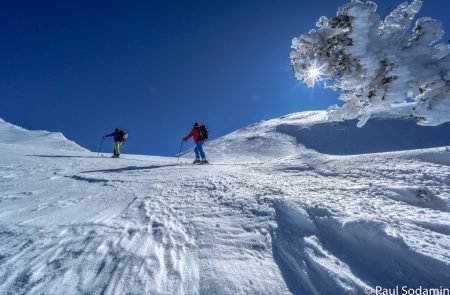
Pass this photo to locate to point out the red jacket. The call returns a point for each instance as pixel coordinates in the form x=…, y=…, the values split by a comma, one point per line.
x=194, y=133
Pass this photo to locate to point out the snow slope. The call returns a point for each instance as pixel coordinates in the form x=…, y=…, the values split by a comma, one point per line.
x=12, y=134
x=291, y=220
x=291, y=134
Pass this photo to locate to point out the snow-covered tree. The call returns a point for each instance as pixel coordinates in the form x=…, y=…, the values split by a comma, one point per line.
x=377, y=63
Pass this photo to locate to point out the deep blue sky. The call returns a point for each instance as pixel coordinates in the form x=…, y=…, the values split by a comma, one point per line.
x=155, y=67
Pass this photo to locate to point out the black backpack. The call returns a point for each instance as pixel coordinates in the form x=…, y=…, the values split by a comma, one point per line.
x=203, y=132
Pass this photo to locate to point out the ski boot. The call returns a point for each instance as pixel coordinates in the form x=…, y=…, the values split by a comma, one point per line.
x=197, y=161
x=204, y=161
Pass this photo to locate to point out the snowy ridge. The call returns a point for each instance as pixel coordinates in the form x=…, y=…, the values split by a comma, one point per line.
x=310, y=132
x=294, y=221
x=12, y=134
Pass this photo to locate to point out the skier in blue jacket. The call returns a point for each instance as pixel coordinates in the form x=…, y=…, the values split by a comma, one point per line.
x=119, y=137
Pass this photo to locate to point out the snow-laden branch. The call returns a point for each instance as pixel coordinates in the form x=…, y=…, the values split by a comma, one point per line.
x=376, y=63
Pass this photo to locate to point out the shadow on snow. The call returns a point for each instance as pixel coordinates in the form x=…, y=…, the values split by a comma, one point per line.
x=130, y=168
x=60, y=156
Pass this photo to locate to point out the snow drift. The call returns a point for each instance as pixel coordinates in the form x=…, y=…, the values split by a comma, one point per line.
x=309, y=132
x=294, y=222
x=375, y=63
x=11, y=134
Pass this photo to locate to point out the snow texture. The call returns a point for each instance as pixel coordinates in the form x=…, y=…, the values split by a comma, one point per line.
x=289, y=220
x=12, y=134
x=376, y=63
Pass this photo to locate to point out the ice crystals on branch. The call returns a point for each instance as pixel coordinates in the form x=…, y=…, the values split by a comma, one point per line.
x=377, y=63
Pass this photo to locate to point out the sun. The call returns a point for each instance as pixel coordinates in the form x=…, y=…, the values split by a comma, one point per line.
x=313, y=74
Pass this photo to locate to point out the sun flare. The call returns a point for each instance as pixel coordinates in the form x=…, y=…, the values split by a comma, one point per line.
x=313, y=74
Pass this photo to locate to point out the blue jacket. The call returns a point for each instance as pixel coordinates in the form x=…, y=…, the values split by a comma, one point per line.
x=117, y=136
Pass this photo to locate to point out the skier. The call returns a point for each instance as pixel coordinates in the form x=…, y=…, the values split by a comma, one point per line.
x=200, y=135
x=119, y=137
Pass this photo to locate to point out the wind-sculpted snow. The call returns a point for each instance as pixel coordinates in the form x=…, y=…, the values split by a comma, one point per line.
x=376, y=63
x=289, y=135
x=11, y=134
x=294, y=221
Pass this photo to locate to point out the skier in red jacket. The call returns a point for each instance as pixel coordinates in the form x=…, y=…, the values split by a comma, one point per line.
x=199, y=141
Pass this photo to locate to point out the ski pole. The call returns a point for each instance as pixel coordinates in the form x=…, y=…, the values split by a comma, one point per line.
x=100, y=146
x=181, y=148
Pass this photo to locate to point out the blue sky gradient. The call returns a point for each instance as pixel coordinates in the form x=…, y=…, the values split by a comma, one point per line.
x=155, y=67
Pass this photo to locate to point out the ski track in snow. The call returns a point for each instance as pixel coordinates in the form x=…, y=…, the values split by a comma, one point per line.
x=73, y=223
